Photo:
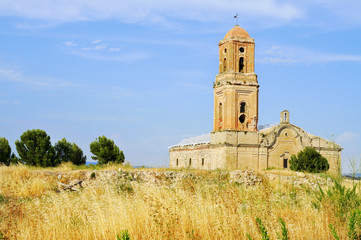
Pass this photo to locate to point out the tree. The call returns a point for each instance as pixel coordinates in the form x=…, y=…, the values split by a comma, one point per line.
x=69, y=152
x=5, y=151
x=62, y=150
x=6, y=157
x=309, y=160
x=106, y=151
x=76, y=155
x=35, y=149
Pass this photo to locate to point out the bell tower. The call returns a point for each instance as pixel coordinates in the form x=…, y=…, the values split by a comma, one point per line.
x=236, y=86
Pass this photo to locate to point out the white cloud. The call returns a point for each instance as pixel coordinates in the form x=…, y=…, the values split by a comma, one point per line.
x=82, y=118
x=128, y=57
x=70, y=44
x=100, y=47
x=154, y=12
x=36, y=82
x=96, y=41
x=114, y=49
x=294, y=55
x=347, y=137
x=346, y=10
x=108, y=53
x=165, y=12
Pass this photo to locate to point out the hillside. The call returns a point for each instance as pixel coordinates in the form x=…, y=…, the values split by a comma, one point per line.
x=62, y=203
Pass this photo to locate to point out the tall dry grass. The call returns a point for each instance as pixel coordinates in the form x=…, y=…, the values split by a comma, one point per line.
x=205, y=207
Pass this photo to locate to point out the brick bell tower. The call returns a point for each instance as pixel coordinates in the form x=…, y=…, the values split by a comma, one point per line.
x=236, y=86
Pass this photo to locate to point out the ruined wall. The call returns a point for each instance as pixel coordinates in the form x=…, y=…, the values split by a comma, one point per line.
x=204, y=156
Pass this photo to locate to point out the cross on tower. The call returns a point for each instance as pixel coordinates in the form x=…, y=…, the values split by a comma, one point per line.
x=236, y=17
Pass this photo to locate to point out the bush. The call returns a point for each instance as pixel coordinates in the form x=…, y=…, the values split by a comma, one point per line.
x=35, y=149
x=106, y=151
x=309, y=160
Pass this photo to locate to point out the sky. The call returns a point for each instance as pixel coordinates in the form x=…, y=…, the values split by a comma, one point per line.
x=141, y=72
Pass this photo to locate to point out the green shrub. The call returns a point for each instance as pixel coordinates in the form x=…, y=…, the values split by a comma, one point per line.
x=284, y=231
x=309, y=160
x=123, y=235
x=262, y=229
x=354, y=225
x=343, y=200
x=333, y=232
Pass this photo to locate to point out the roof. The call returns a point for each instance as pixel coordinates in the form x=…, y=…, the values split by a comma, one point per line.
x=237, y=31
x=201, y=139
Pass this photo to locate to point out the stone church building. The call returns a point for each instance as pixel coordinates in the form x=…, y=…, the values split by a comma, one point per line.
x=236, y=142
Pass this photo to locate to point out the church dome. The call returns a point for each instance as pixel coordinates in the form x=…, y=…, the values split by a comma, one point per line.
x=237, y=31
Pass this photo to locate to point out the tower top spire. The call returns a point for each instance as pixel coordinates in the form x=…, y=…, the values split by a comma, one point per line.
x=236, y=17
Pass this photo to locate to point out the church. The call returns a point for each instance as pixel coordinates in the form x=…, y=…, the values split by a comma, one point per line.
x=236, y=141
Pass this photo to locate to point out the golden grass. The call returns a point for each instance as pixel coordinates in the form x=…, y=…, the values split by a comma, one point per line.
x=204, y=208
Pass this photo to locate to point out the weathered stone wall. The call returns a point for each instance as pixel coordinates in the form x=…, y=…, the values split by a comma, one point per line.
x=204, y=156
x=252, y=150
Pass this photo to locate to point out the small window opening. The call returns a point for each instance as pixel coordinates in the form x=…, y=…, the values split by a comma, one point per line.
x=286, y=134
x=190, y=161
x=241, y=49
x=243, y=107
x=242, y=118
x=285, y=163
x=177, y=162
x=241, y=64
x=202, y=161
x=224, y=65
x=220, y=112
x=225, y=50
x=285, y=117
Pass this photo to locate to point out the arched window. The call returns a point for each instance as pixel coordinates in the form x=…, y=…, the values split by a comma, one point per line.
x=202, y=161
x=190, y=161
x=242, y=118
x=177, y=162
x=224, y=64
x=243, y=107
x=241, y=64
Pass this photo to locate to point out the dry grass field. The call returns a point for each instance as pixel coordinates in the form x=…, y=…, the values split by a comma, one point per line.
x=201, y=205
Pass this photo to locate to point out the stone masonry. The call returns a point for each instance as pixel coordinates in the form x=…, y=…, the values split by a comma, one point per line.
x=236, y=142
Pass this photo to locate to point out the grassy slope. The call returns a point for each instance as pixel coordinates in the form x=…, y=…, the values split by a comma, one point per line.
x=206, y=207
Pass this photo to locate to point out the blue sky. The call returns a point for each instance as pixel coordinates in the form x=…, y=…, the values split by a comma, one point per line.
x=141, y=72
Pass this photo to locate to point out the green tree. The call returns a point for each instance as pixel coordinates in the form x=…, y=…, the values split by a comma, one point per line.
x=106, y=151
x=6, y=157
x=76, y=155
x=5, y=151
x=309, y=160
x=35, y=149
x=69, y=152
x=62, y=150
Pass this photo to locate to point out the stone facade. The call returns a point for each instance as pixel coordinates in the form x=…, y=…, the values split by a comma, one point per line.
x=235, y=142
